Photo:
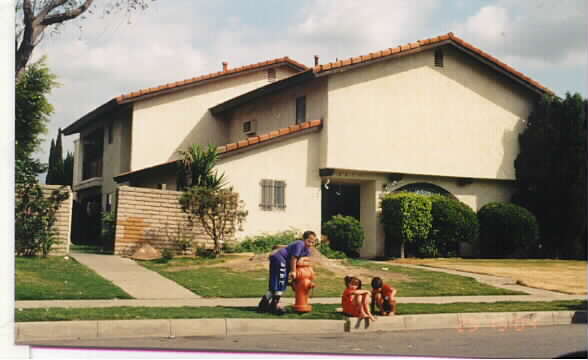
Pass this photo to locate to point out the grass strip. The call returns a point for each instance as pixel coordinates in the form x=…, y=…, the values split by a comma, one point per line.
x=320, y=311
x=55, y=278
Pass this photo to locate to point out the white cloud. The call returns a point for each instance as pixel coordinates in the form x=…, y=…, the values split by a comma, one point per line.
x=533, y=34
x=349, y=28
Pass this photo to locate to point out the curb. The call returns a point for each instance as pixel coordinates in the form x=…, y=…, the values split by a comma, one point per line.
x=83, y=330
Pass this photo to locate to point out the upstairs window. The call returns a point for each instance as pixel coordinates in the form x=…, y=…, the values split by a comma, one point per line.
x=439, y=58
x=271, y=75
x=273, y=194
x=300, y=109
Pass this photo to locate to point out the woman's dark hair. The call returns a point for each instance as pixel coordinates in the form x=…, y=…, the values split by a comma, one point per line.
x=377, y=283
x=307, y=234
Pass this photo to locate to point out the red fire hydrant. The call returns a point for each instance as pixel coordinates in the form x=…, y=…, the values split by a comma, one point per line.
x=302, y=285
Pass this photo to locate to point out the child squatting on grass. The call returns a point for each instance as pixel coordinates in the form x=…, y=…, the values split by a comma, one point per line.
x=383, y=297
x=356, y=302
x=283, y=264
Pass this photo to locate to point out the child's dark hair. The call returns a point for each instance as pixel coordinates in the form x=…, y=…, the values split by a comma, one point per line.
x=377, y=283
x=349, y=279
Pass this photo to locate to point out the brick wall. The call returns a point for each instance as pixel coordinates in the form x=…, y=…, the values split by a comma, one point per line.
x=153, y=216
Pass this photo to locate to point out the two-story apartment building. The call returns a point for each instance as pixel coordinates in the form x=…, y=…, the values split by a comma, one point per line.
x=147, y=127
x=437, y=115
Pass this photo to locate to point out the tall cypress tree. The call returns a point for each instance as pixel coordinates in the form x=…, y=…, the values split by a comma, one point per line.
x=50, y=169
x=59, y=175
x=551, y=174
x=68, y=169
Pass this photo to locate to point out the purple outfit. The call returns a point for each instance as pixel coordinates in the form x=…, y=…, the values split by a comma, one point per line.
x=280, y=264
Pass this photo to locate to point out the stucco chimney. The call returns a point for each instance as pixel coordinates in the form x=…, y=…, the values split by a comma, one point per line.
x=316, y=60
x=225, y=66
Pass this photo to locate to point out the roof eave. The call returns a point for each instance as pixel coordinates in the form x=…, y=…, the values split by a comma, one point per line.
x=264, y=90
x=82, y=122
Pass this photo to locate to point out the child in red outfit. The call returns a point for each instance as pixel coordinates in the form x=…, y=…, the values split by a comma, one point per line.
x=383, y=297
x=355, y=301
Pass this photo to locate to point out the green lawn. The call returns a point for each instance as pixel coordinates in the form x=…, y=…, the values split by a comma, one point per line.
x=320, y=311
x=223, y=282
x=433, y=283
x=54, y=278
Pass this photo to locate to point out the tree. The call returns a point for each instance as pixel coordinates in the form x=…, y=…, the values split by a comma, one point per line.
x=33, y=18
x=68, y=164
x=196, y=168
x=35, y=213
x=551, y=173
x=219, y=211
x=32, y=109
x=49, y=179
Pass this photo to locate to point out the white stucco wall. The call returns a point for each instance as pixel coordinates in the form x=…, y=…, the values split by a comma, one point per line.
x=294, y=161
x=116, y=156
x=405, y=115
x=164, y=124
x=278, y=110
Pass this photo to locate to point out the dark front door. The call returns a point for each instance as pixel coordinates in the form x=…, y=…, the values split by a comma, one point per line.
x=340, y=199
x=87, y=221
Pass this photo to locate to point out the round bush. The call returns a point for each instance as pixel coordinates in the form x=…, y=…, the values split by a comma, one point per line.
x=406, y=218
x=453, y=222
x=507, y=230
x=345, y=234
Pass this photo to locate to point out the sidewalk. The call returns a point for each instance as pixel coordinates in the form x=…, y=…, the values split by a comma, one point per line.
x=134, y=279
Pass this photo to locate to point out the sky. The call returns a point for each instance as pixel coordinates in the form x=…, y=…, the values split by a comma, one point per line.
x=103, y=56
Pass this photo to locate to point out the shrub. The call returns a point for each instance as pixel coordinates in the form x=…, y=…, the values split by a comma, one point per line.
x=35, y=213
x=507, y=230
x=453, y=222
x=406, y=218
x=219, y=211
x=108, y=228
x=345, y=234
x=266, y=242
x=325, y=249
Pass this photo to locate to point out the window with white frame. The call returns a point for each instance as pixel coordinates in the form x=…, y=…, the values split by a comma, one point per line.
x=273, y=194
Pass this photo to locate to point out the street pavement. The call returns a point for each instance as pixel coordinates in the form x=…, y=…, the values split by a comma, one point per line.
x=510, y=342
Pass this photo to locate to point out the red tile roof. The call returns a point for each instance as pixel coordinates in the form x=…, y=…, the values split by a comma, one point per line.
x=228, y=148
x=269, y=136
x=142, y=92
x=423, y=43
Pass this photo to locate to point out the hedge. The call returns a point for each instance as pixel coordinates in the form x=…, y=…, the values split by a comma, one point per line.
x=507, y=230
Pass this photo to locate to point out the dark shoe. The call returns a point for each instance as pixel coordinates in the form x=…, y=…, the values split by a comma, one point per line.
x=274, y=308
x=264, y=305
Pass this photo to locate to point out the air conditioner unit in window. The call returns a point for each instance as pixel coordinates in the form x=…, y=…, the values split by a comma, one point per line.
x=250, y=127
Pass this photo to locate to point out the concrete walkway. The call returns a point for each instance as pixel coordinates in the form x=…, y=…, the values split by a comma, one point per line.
x=134, y=279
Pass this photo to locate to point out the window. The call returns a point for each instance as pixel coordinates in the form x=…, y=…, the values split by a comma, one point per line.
x=300, y=109
x=271, y=75
x=273, y=194
x=439, y=58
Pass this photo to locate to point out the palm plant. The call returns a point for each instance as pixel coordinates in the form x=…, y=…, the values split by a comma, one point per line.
x=196, y=168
